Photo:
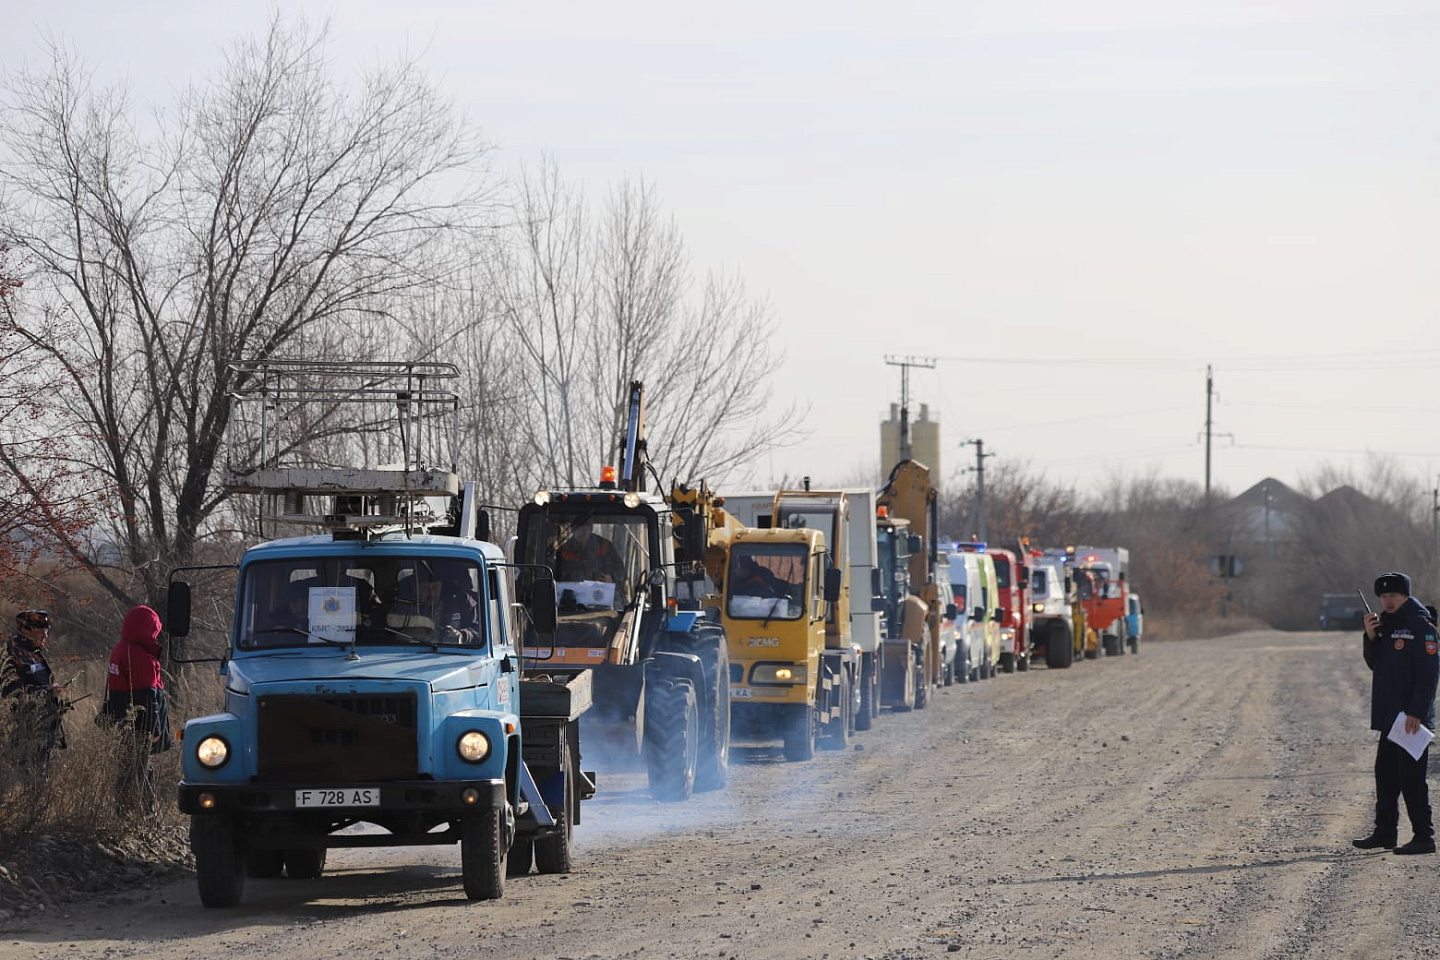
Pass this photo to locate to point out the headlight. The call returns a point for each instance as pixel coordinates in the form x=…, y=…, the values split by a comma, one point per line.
x=778, y=673
x=1038, y=607
x=212, y=752
x=632, y=499
x=473, y=746
x=542, y=497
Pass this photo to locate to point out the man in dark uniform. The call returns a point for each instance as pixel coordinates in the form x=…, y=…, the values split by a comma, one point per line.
x=29, y=684
x=1400, y=650
x=454, y=605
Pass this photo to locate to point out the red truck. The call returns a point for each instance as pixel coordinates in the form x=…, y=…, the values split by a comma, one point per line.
x=1107, y=606
x=1012, y=578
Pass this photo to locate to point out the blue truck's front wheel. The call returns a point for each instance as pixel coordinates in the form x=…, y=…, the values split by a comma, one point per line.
x=482, y=854
x=219, y=861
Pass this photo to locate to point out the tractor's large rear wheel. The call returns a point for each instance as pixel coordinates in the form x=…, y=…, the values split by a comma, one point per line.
x=672, y=738
x=714, y=764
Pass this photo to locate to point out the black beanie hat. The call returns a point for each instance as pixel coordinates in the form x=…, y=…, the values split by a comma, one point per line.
x=1392, y=583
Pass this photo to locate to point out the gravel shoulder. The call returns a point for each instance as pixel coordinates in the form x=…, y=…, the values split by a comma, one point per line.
x=1194, y=801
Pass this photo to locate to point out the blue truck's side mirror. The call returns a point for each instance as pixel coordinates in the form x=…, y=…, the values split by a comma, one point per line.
x=177, y=608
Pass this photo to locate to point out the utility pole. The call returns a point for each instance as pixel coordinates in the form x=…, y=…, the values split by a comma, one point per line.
x=1209, y=395
x=1435, y=518
x=905, y=363
x=979, y=471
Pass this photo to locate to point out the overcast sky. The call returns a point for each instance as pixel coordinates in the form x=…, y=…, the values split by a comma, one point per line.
x=1073, y=207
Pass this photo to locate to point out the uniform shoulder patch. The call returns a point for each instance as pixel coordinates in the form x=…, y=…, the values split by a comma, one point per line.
x=1431, y=645
x=1399, y=643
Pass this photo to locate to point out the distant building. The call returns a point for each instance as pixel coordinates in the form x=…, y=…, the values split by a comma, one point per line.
x=924, y=441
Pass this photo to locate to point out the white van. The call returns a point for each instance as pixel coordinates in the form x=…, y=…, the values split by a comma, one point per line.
x=979, y=639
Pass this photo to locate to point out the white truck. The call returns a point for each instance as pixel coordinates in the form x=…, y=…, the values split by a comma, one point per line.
x=1052, y=625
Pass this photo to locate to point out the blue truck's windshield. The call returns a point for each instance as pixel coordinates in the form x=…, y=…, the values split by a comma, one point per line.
x=362, y=599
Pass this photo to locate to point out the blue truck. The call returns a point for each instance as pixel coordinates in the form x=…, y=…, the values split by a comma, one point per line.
x=373, y=688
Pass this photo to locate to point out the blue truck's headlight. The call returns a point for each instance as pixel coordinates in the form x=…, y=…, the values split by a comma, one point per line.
x=473, y=746
x=212, y=752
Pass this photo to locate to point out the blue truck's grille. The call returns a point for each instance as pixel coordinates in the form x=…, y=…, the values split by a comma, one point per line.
x=336, y=739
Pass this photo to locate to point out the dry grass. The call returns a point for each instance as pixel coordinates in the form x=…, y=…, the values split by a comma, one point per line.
x=1204, y=627
x=83, y=794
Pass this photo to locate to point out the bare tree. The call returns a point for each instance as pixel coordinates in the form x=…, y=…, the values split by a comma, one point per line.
x=49, y=499
x=1019, y=502
x=597, y=302
x=541, y=279
x=273, y=212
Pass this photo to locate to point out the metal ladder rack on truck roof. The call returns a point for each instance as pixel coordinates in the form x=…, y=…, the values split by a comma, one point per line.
x=376, y=439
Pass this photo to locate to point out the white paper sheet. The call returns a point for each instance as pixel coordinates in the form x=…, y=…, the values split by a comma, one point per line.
x=1414, y=743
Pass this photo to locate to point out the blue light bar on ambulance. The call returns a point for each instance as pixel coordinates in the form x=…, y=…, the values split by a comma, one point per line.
x=971, y=546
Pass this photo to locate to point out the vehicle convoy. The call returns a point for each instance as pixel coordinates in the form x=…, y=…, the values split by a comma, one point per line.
x=908, y=500
x=1108, y=604
x=629, y=574
x=847, y=520
x=371, y=672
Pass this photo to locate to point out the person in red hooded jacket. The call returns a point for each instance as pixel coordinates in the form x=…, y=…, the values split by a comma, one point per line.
x=135, y=696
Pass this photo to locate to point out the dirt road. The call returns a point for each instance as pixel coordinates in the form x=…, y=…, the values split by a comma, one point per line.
x=1194, y=801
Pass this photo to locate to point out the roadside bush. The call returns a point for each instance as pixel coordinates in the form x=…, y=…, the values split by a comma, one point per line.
x=87, y=791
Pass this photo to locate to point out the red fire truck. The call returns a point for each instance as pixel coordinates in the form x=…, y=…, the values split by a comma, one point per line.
x=1106, y=608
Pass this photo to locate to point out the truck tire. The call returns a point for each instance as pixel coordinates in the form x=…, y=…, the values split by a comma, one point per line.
x=1007, y=662
x=520, y=857
x=1059, y=648
x=304, y=863
x=672, y=738
x=853, y=678
x=553, y=852
x=922, y=681
x=1022, y=662
x=962, y=664
x=907, y=684
x=714, y=764
x=219, y=861
x=1108, y=641
x=264, y=864
x=837, y=729
x=869, y=692
x=800, y=733
x=482, y=854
